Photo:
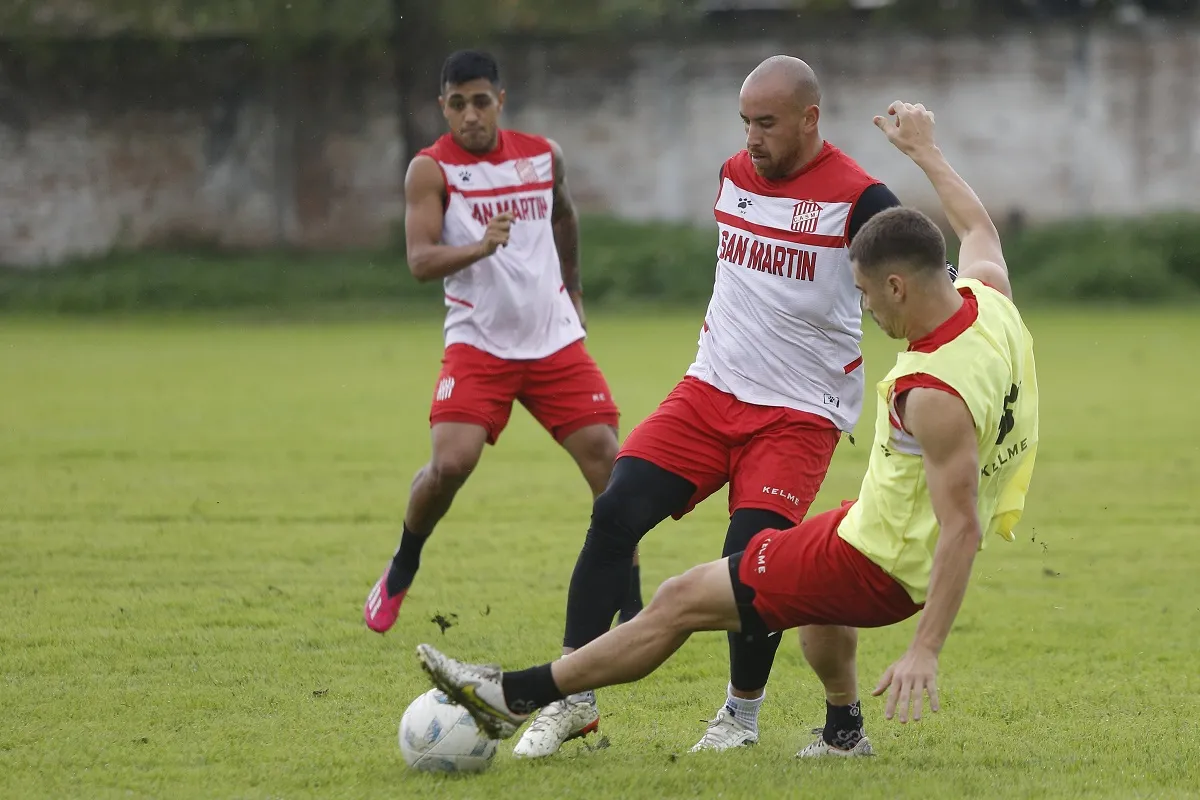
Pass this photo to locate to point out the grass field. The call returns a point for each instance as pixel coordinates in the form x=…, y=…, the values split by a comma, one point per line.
x=192, y=511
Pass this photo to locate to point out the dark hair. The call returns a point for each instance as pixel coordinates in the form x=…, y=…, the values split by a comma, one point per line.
x=902, y=237
x=469, y=65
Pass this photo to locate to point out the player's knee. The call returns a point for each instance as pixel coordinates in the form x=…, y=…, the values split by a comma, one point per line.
x=604, y=446
x=615, y=529
x=452, y=466
x=595, y=448
x=674, y=604
x=746, y=523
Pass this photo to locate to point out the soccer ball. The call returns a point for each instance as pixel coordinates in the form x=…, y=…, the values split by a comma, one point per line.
x=436, y=735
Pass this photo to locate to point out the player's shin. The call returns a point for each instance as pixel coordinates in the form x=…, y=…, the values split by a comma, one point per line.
x=750, y=661
x=625, y=654
x=831, y=651
x=751, y=656
x=601, y=578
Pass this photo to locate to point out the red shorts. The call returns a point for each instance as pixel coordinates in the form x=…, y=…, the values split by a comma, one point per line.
x=808, y=575
x=772, y=458
x=564, y=391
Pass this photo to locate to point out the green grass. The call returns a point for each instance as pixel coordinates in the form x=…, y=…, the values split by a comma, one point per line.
x=192, y=511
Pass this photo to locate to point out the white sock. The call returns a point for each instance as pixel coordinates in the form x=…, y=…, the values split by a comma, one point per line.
x=744, y=711
x=582, y=697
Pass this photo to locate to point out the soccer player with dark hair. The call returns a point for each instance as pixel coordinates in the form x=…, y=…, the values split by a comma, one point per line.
x=488, y=213
x=956, y=437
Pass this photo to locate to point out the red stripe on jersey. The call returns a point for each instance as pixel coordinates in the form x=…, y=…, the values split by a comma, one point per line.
x=499, y=191
x=952, y=328
x=917, y=380
x=453, y=299
x=831, y=177
x=810, y=239
x=853, y=365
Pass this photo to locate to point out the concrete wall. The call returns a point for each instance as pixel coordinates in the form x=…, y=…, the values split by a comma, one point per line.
x=218, y=144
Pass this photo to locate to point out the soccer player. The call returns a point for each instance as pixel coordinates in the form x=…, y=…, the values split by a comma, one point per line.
x=487, y=212
x=777, y=378
x=956, y=436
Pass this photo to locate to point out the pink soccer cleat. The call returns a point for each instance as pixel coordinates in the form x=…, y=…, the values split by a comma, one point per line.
x=381, y=608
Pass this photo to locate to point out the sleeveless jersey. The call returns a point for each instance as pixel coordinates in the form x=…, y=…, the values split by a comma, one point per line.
x=990, y=365
x=511, y=304
x=784, y=323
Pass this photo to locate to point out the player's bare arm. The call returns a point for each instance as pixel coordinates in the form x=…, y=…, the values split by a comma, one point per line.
x=943, y=427
x=911, y=129
x=566, y=232
x=424, y=203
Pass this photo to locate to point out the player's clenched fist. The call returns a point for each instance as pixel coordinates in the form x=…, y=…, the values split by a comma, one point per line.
x=908, y=126
x=496, y=235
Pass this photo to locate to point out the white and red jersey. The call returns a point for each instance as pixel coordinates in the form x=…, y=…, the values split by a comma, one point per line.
x=511, y=304
x=785, y=321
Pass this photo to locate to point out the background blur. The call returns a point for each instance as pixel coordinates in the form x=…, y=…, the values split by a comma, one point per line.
x=203, y=127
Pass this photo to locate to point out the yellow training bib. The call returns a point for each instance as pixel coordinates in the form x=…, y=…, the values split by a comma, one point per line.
x=990, y=364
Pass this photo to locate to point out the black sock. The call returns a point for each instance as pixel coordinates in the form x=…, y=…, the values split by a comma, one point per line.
x=406, y=562
x=843, y=725
x=633, y=600
x=530, y=689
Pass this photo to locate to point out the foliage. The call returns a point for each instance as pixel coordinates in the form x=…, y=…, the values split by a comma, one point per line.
x=1132, y=261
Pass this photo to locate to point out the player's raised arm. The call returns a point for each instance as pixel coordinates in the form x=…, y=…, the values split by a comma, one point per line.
x=424, y=198
x=911, y=129
x=566, y=232
x=943, y=427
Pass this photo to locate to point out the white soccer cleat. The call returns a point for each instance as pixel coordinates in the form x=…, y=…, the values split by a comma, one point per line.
x=725, y=733
x=474, y=687
x=555, y=724
x=820, y=748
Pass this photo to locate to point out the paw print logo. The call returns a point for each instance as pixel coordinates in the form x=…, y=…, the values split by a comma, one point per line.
x=464, y=176
x=744, y=203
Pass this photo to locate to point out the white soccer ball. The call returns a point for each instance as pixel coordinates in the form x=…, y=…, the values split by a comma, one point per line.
x=436, y=735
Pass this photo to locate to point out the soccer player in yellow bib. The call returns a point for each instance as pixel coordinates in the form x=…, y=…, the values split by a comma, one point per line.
x=956, y=435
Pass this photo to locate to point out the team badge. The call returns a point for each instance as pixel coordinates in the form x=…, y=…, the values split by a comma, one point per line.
x=526, y=171
x=805, y=216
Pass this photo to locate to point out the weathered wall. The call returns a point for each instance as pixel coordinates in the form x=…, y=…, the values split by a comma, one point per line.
x=216, y=143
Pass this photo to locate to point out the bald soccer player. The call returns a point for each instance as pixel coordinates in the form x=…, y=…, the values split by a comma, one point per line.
x=956, y=437
x=777, y=378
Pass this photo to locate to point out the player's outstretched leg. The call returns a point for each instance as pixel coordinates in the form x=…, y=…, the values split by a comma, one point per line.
x=639, y=496
x=702, y=599
x=830, y=650
x=456, y=450
x=750, y=654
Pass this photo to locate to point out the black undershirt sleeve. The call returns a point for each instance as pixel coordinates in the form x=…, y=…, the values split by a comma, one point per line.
x=875, y=198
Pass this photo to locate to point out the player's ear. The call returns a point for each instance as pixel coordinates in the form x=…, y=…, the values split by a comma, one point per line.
x=500, y=100
x=812, y=115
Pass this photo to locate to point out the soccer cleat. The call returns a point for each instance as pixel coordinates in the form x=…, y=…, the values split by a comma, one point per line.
x=476, y=688
x=725, y=732
x=556, y=724
x=381, y=609
x=820, y=748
